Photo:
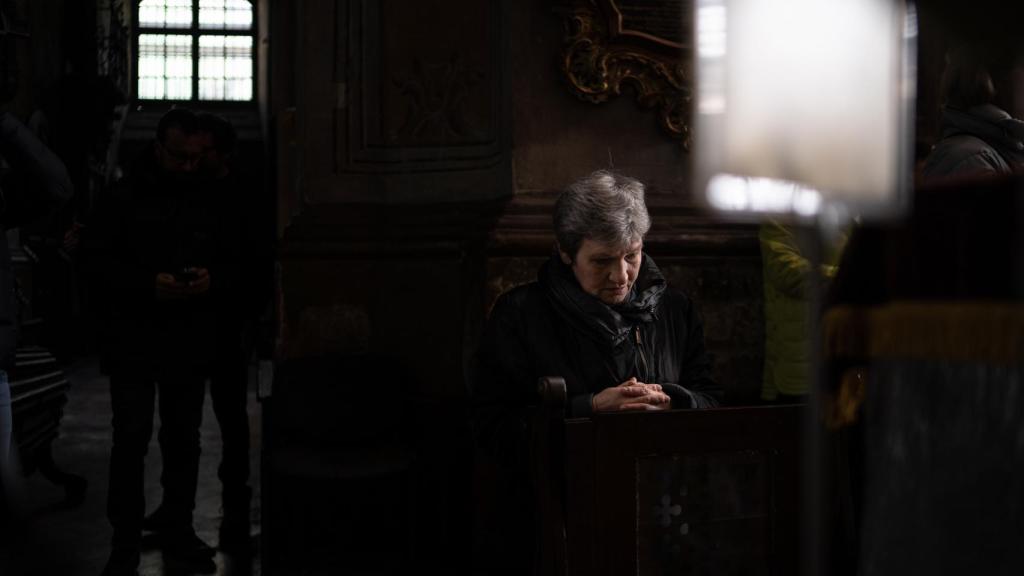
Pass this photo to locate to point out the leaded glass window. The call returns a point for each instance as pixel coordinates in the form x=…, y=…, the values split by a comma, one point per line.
x=195, y=50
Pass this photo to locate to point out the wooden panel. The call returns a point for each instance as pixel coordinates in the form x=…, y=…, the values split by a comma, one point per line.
x=401, y=102
x=391, y=280
x=704, y=513
x=430, y=71
x=581, y=508
x=403, y=305
x=315, y=86
x=754, y=454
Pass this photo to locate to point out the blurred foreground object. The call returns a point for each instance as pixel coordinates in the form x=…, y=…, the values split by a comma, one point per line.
x=932, y=311
x=804, y=106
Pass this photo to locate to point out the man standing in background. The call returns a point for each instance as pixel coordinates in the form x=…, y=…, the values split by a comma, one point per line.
x=234, y=292
x=156, y=242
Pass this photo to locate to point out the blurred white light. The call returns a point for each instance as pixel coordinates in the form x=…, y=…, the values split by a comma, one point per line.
x=816, y=94
x=711, y=38
x=728, y=192
x=712, y=105
x=736, y=193
x=806, y=202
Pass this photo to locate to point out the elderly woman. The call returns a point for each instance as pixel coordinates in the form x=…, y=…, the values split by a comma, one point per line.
x=601, y=317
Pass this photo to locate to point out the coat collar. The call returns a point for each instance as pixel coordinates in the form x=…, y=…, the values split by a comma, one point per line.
x=609, y=325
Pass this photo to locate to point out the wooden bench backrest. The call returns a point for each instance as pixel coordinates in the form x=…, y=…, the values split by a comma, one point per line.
x=680, y=492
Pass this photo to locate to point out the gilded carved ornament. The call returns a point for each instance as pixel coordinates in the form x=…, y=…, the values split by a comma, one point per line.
x=613, y=43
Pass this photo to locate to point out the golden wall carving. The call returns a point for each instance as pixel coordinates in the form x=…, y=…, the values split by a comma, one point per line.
x=611, y=44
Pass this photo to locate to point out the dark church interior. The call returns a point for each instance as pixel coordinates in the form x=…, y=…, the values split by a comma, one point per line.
x=373, y=176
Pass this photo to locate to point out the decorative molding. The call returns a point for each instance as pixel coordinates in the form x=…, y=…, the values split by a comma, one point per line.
x=435, y=94
x=602, y=55
x=401, y=104
x=378, y=231
x=429, y=90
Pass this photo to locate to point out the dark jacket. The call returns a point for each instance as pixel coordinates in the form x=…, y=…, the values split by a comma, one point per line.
x=35, y=183
x=149, y=224
x=982, y=141
x=552, y=328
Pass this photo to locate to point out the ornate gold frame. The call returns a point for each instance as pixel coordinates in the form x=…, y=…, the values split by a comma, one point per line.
x=601, y=56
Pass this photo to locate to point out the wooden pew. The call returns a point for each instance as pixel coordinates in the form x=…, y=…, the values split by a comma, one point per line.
x=680, y=492
x=39, y=391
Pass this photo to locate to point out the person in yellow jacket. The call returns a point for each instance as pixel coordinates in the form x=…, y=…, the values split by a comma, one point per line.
x=786, y=311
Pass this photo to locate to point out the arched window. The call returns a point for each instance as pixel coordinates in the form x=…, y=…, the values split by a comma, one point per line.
x=197, y=50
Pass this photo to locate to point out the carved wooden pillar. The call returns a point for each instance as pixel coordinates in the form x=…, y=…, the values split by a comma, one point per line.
x=395, y=104
x=392, y=135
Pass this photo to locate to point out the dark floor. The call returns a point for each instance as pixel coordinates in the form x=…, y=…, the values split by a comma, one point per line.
x=75, y=541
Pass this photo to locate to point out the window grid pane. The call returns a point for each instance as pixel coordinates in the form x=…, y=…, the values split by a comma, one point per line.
x=225, y=15
x=165, y=67
x=225, y=67
x=165, y=14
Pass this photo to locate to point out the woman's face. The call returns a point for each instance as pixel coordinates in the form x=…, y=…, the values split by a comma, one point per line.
x=605, y=271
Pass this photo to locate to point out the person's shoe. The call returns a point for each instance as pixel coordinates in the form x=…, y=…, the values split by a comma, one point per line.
x=190, y=550
x=122, y=563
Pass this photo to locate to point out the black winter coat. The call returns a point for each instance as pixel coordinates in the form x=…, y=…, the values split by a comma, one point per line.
x=151, y=224
x=552, y=328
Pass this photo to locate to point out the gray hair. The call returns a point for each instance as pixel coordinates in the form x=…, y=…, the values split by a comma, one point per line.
x=605, y=207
